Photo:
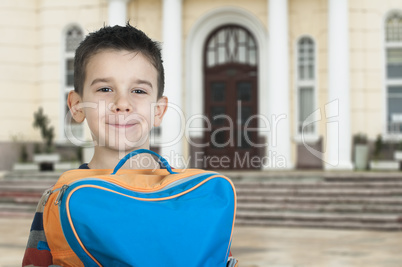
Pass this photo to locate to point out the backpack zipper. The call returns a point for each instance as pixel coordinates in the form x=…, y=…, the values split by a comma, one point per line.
x=47, y=195
x=64, y=188
x=60, y=195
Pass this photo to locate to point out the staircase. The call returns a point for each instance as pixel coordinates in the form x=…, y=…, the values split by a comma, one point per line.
x=21, y=191
x=328, y=200
x=352, y=200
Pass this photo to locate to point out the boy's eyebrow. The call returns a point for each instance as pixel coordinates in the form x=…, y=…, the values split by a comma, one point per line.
x=100, y=80
x=106, y=80
x=139, y=81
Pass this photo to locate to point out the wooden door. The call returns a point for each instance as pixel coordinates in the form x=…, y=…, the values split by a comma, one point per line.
x=230, y=98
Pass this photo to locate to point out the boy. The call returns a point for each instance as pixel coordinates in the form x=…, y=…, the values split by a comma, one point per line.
x=118, y=89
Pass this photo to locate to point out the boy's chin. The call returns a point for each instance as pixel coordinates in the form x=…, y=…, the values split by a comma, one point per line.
x=128, y=147
x=123, y=143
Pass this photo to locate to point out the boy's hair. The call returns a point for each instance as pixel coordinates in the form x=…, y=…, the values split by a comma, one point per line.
x=117, y=38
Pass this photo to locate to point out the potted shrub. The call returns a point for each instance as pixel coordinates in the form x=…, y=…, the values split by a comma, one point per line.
x=23, y=163
x=398, y=152
x=46, y=159
x=361, y=151
x=378, y=162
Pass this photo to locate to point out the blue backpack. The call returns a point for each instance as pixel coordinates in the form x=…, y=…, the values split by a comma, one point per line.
x=161, y=217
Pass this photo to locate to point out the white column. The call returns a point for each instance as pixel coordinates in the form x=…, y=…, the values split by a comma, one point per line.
x=279, y=143
x=117, y=11
x=173, y=122
x=338, y=154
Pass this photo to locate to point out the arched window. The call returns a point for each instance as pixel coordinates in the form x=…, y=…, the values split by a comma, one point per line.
x=72, y=38
x=393, y=47
x=305, y=84
x=231, y=45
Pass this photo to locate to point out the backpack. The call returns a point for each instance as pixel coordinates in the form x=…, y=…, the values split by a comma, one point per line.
x=141, y=218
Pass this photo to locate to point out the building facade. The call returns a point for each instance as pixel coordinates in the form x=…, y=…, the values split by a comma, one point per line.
x=260, y=84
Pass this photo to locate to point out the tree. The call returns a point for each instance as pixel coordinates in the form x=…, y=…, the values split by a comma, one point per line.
x=42, y=122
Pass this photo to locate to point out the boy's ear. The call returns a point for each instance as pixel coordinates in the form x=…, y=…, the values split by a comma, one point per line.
x=74, y=101
x=160, y=110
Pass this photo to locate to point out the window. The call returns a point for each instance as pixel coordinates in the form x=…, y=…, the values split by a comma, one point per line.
x=231, y=44
x=393, y=52
x=305, y=84
x=72, y=38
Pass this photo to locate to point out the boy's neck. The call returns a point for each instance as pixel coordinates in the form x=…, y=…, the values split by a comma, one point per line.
x=105, y=158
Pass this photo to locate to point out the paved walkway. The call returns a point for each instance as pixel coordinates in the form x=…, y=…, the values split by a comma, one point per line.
x=265, y=247
x=295, y=247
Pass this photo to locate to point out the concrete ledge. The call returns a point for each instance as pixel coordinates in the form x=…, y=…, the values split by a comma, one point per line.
x=384, y=165
x=25, y=167
x=53, y=158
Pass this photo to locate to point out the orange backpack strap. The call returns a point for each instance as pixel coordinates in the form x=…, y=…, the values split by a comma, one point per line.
x=61, y=252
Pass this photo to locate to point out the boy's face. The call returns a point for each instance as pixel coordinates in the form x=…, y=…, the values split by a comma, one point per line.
x=120, y=99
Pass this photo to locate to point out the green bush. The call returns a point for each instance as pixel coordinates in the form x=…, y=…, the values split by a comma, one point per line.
x=42, y=122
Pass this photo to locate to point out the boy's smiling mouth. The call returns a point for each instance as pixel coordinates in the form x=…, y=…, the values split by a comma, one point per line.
x=123, y=125
x=123, y=122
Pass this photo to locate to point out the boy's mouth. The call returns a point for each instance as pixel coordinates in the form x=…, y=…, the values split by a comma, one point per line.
x=124, y=126
x=123, y=122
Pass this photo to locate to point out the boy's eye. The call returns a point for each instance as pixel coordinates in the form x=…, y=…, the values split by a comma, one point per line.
x=138, y=91
x=105, y=90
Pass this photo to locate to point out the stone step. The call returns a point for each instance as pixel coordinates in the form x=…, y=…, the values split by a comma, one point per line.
x=320, y=217
x=16, y=214
x=8, y=210
x=27, y=198
x=18, y=208
x=321, y=184
x=331, y=225
x=361, y=192
x=44, y=181
x=23, y=191
x=364, y=177
x=331, y=207
x=321, y=200
x=22, y=175
x=327, y=176
x=260, y=176
x=23, y=188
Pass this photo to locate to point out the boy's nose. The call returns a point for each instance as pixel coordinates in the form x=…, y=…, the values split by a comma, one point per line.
x=121, y=104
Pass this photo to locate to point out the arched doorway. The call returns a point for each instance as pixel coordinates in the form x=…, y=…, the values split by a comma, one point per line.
x=230, y=98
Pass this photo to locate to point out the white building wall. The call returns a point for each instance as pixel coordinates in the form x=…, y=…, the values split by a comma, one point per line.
x=147, y=16
x=30, y=52
x=367, y=65
x=18, y=68
x=54, y=18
